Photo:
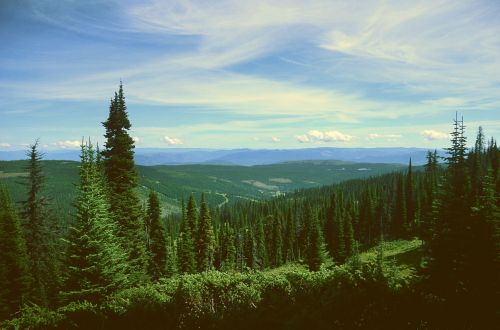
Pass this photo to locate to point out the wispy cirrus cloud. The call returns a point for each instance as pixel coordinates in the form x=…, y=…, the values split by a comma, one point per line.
x=322, y=62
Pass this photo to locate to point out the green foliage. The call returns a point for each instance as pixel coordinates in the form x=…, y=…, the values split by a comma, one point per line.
x=205, y=243
x=15, y=276
x=186, y=239
x=96, y=262
x=315, y=253
x=121, y=175
x=156, y=238
x=40, y=232
x=279, y=298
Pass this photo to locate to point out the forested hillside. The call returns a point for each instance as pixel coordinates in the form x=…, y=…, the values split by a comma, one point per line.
x=409, y=249
x=221, y=183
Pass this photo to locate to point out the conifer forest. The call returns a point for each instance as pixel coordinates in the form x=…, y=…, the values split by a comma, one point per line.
x=415, y=249
x=253, y=165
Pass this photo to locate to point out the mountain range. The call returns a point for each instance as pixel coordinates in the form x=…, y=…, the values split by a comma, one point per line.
x=248, y=157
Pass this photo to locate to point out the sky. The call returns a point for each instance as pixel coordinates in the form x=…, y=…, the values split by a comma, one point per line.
x=252, y=74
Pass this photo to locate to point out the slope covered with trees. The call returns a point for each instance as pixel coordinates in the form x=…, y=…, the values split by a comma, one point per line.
x=285, y=262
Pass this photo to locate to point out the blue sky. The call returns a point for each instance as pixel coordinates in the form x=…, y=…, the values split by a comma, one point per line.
x=257, y=74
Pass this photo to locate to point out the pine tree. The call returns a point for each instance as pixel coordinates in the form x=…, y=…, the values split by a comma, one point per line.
x=315, y=253
x=228, y=248
x=249, y=249
x=96, y=262
x=121, y=175
x=40, y=233
x=484, y=259
x=289, y=237
x=192, y=215
x=451, y=228
x=349, y=242
x=330, y=225
x=399, y=213
x=172, y=263
x=205, y=244
x=15, y=276
x=410, y=201
x=276, y=250
x=156, y=237
x=261, y=256
x=430, y=185
x=185, y=246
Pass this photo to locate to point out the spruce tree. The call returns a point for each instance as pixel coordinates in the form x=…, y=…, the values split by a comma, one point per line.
x=276, y=250
x=430, y=184
x=289, y=237
x=315, y=253
x=249, y=249
x=349, y=242
x=156, y=237
x=40, y=233
x=192, y=215
x=410, y=201
x=96, y=262
x=228, y=248
x=205, y=243
x=484, y=258
x=121, y=175
x=15, y=276
x=451, y=228
x=261, y=256
x=399, y=226
x=185, y=246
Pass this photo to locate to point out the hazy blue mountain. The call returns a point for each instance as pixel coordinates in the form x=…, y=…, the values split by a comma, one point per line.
x=179, y=156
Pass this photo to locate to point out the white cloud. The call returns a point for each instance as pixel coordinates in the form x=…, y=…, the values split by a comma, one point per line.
x=388, y=137
x=302, y=138
x=136, y=139
x=68, y=144
x=4, y=145
x=275, y=139
x=431, y=135
x=171, y=140
x=326, y=136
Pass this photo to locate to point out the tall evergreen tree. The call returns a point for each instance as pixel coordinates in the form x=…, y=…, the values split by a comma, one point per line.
x=192, y=215
x=349, y=242
x=410, y=200
x=315, y=253
x=40, y=233
x=15, y=276
x=484, y=259
x=289, y=237
x=156, y=237
x=228, y=248
x=185, y=246
x=205, y=244
x=118, y=158
x=399, y=213
x=261, y=256
x=276, y=250
x=430, y=186
x=96, y=262
x=451, y=228
x=249, y=249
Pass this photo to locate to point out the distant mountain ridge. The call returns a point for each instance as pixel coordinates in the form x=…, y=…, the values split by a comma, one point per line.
x=248, y=157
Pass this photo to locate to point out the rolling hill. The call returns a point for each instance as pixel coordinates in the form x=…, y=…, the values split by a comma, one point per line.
x=247, y=157
x=221, y=183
